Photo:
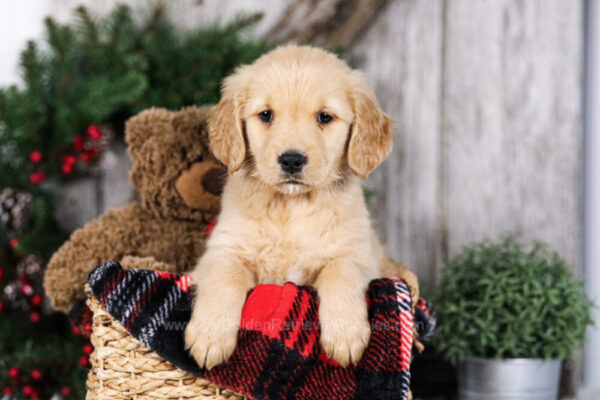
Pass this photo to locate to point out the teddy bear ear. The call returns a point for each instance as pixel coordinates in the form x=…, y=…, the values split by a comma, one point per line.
x=145, y=125
x=190, y=119
x=193, y=122
x=142, y=132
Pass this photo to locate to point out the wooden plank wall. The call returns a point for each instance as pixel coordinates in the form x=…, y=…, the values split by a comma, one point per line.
x=512, y=129
x=402, y=57
x=487, y=101
x=486, y=98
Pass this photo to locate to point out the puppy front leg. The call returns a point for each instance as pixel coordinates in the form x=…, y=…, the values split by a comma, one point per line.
x=343, y=316
x=392, y=268
x=221, y=286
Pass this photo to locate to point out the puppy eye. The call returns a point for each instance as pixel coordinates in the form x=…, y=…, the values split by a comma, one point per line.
x=324, y=118
x=266, y=116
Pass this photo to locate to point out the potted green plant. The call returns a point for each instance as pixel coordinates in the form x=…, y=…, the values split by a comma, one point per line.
x=508, y=315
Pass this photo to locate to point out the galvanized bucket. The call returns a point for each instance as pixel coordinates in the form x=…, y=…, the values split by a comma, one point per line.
x=514, y=379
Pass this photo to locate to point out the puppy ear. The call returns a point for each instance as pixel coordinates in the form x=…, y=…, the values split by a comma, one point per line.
x=371, y=136
x=225, y=125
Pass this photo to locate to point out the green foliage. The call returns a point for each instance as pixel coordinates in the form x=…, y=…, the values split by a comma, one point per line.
x=507, y=300
x=368, y=193
x=47, y=346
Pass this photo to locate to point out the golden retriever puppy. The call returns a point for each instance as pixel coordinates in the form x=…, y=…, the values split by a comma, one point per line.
x=296, y=129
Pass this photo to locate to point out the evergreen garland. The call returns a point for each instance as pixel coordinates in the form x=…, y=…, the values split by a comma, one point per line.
x=78, y=87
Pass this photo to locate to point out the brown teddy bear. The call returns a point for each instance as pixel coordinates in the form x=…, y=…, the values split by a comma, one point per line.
x=179, y=182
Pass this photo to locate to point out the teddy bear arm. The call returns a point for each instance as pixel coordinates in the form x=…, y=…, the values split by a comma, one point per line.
x=65, y=277
x=396, y=269
x=109, y=237
x=136, y=262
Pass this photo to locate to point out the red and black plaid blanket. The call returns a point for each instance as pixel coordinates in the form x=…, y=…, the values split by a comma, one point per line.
x=278, y=355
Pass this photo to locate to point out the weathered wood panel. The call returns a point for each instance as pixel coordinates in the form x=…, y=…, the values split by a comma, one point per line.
x=115, y=187
x=401, y=56
x=77, y=203
x=83, y=199
x=512, y=121
x=326, y=22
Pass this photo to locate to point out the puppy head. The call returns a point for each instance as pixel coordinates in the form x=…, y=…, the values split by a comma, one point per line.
x=298, y=119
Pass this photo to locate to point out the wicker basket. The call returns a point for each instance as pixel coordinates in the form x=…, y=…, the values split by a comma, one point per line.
x=123, y=368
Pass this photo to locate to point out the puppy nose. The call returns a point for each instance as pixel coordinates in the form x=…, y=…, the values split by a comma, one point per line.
x=292, y=161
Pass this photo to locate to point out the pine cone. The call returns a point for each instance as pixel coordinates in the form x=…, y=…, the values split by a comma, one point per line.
x=14, y=298
x=15, y=209
x=32, y=267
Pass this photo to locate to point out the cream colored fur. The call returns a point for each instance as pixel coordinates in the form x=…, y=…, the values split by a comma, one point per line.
x=315, y=230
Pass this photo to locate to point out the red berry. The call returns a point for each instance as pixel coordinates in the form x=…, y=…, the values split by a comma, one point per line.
x=14, y=372
x=36, y=374
x=27, y=289
x=34, y=317
x=14, y=242
x=67, y=169
x=94, y=132
x=88, y=348
x=69, y=159
x=37, y=300
x=65, y=391
x=1, y=273
x=35, y=157
x=78, y=143
x=37, y=177
x=8, y=390
x=88, y=327
x=84, y=361
x=22, y=278
x=34, y=394
x=1, y=306
x=87, y=156
x=27, y=390
x=74, y=330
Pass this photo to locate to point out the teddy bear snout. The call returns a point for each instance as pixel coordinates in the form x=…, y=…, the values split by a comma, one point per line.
x=201, y=184
x=214, y=180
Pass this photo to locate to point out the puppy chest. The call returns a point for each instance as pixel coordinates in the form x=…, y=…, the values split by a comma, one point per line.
x=280, y=254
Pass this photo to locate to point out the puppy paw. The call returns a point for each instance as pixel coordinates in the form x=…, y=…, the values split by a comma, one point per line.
x=414, y=294
x=344, y=338
x=210, y=341
x=411, y=281
x=392, y=268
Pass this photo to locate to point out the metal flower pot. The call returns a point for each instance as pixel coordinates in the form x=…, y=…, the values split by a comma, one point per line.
x=514, y=379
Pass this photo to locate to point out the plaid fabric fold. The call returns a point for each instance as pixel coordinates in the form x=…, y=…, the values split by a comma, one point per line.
x=278, y=355
x=425, y=320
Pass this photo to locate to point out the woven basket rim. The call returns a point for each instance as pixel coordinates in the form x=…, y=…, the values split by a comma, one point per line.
x=123, y=368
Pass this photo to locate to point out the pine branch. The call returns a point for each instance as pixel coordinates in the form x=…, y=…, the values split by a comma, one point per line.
x=30, y=64
x=121, y=27
x=60, y=39
x=87, y=26
x=243, y=22
x=157, y=18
